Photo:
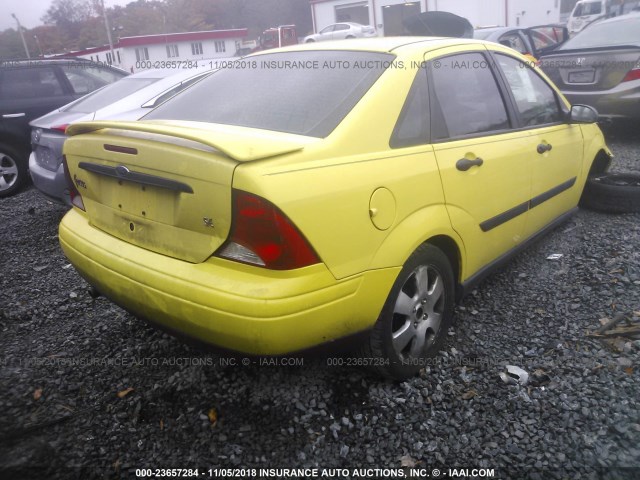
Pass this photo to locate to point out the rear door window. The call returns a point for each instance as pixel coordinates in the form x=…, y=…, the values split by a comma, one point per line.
x=413, y=125
x=466, y=99
x=33, y=82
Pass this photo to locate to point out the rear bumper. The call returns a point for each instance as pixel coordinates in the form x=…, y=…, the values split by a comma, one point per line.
x=52, y=185
x=234, y=306
x=621, y=101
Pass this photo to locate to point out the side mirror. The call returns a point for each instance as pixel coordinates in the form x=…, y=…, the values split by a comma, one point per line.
x=583, y=114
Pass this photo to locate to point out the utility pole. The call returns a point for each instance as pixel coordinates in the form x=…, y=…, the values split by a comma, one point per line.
x=24, y=44
x=106, y=24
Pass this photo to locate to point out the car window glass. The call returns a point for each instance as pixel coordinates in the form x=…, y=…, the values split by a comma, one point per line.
x=342, y=26
x=83, y=81
x=30, y=83
x=109, y=94
x=535, y=100
x=589, y=8
x=466, y=97
x=541, y=40
x=107, y=74
x=278, y=97
x=327, y=29
x=513, y=40
x=413, y=124
x=170, y=93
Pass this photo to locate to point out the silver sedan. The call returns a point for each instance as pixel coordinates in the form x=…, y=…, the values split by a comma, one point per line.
x=600, y=67
x=127, y=99
x=339, y=31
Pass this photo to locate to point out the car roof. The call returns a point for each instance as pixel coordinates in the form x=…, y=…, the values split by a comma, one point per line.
x=623, y=18
x=493, y=32
x=23, y=62
x=495, y=29
x=628, y=17
x=379, y=44
x=156, y=73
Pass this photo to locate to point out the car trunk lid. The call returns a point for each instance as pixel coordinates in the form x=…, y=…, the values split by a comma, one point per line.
x=594, y=69
x=165, y=187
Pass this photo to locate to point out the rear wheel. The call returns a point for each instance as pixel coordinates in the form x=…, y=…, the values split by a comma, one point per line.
x=13, y=170
x=416, y=316
x=612, y=193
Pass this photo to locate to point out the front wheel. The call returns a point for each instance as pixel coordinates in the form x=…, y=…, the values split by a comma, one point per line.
x=416, y=316
x=13, y=170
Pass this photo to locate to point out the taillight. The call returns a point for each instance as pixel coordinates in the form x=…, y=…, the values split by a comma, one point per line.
x=262, y=235
x=61, y=128
x=632, y=75
x=76, y=198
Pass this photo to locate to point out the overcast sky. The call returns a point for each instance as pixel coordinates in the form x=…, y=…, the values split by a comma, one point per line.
x=29, y=12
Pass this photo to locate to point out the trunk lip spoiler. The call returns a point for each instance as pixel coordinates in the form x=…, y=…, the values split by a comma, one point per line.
x=238, y=146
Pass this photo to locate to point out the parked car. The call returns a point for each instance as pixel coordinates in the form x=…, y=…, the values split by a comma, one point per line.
x=339, y=31
x=533, y=41
x=584, y=13
x=289, y=217
x=127, y=99
x=31, y=88
x=600, y=67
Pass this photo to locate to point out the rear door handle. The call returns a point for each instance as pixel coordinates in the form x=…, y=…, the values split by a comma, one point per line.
x=465, y=164
x=544, y=147
x=13, y=115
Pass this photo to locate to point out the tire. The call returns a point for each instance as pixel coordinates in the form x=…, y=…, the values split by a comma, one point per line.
x=415, y=317
x=348, y=37
x=612, y=193
x=13, y=170
x=310, y=41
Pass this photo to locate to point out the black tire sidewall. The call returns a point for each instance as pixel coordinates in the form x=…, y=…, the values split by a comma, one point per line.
x=603, y=197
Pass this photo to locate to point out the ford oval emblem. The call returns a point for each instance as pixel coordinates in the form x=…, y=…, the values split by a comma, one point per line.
x=122, y=171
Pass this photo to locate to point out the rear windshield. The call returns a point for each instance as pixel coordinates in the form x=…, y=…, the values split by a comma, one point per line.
x=623, y=31
x=110, y=94
x=306, y=93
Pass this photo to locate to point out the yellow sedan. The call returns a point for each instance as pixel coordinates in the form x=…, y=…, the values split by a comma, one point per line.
x=321, y=192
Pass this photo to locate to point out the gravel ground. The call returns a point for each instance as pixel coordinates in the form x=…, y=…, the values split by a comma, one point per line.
x=69, y=362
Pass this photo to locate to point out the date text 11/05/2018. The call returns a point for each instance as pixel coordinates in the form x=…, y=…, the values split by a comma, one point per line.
x=304, y=473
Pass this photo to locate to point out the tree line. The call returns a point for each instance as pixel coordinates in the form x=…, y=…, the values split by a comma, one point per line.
x=70, y=25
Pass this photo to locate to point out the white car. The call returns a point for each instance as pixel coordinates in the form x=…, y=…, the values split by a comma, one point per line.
x=338, y=31
x=127, y=99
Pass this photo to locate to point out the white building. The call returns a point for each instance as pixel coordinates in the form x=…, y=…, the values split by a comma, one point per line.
x=154, y=51
x=387, y=15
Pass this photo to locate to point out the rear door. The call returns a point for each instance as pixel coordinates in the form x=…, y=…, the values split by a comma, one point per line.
x=555, y=151
x=341, y=31
x=326, y=33
x=484, y=163
x=546, y=38
x=26, y=94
